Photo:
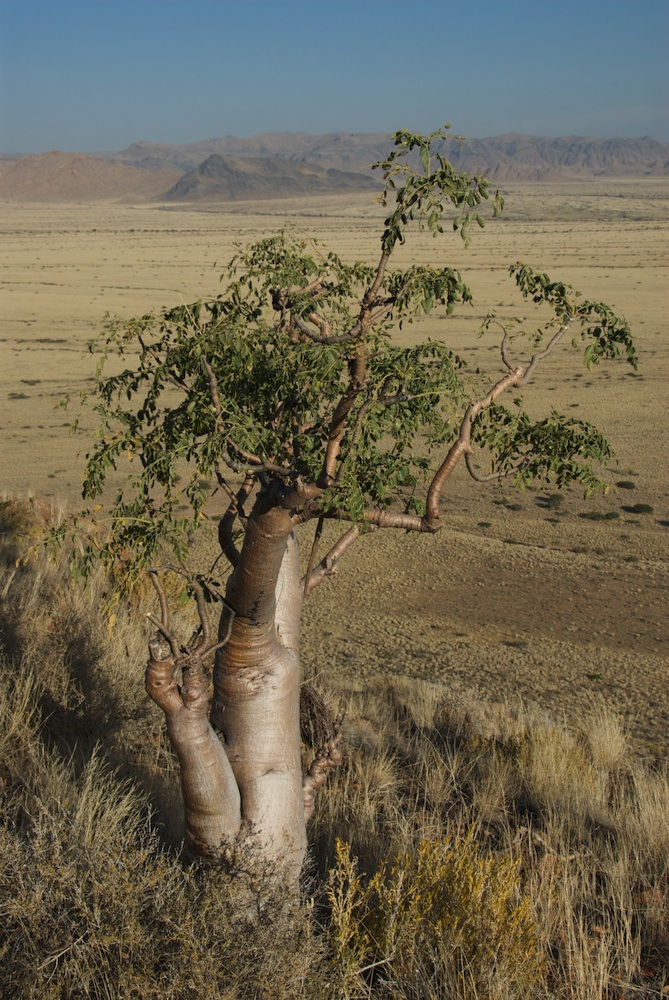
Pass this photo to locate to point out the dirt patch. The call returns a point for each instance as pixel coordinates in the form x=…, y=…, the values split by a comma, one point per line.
x=558, y=628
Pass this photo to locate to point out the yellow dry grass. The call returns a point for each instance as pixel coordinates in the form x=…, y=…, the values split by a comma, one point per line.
x=496, y=850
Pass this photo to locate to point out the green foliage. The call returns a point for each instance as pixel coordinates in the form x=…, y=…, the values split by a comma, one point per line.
x=292, y=368
x=445, y=906
x=422, y=193
x=273, y=404
x=606, y=335
x=556, y=449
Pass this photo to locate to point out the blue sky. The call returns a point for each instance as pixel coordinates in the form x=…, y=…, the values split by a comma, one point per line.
x=95, y=75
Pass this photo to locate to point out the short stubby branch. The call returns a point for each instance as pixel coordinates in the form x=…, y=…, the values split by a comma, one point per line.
x=328, y=757
x=211, y=797
x=161, y=680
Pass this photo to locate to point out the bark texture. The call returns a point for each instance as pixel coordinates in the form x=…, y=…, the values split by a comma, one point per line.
x=210, y=793
x=240, y=759
x=257, y=687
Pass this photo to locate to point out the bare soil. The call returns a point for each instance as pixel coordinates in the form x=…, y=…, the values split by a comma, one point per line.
x=563, y=604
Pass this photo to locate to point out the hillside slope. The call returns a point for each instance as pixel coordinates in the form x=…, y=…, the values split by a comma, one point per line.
x=59, y=176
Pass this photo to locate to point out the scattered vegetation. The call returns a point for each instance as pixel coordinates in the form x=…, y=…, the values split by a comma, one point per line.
x=466, y=849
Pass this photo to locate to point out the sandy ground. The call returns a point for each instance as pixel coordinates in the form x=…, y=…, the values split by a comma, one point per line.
x=515, y=597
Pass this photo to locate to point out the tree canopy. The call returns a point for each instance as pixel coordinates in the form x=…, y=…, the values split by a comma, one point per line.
x=291, y=377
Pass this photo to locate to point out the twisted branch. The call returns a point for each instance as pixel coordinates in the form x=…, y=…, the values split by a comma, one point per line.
x=327, y=757
x=187, y=652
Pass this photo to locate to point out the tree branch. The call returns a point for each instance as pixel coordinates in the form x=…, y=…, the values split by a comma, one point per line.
x=462, y=443
x=314, y=549
x=235, y=510
x=204, y=647
x=488, y=477
x=373, y=290
x=211, y=796
x=328, y=756
x=503, y=351
x=328, y=564
x=339, y=422
x=163, y=626
x=540, y=355
x=324, y=338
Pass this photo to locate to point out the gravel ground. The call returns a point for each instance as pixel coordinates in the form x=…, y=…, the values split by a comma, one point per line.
x=568, y=616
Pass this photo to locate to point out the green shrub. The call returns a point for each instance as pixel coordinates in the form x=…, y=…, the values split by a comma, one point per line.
x=596, y=515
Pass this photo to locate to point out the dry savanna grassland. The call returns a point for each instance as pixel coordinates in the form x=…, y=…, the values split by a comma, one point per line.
x=507, y=678
x=553, y=599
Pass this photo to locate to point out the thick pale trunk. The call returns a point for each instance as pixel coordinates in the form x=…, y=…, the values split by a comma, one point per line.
x=257, y=688
x=241, y=772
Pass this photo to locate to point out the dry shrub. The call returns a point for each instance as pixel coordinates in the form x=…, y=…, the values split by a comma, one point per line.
x=647, y=821
x=91, y=676
x=605, y=737
x=583, y=819
x=559, y=777
x=124, y=919
x=26, y=519
x=447, y=919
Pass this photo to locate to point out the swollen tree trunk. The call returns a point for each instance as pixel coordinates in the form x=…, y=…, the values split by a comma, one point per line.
x=240, y=761
x=256, y=705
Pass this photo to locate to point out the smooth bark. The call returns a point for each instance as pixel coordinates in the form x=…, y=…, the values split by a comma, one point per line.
x=257, y=686
x=210, y=794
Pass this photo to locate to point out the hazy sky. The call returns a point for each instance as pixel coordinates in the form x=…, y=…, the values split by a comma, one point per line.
x=95, y=75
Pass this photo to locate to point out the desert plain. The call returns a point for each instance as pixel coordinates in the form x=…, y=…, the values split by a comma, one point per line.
x=561, y=604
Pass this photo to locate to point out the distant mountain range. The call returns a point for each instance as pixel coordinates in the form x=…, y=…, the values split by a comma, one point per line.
x=79, y=177
x=297, y=164
x=508, y=157
x=235, y=178
x=348, y=151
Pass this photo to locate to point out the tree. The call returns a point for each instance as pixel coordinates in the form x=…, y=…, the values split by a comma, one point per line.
x=287, y=395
